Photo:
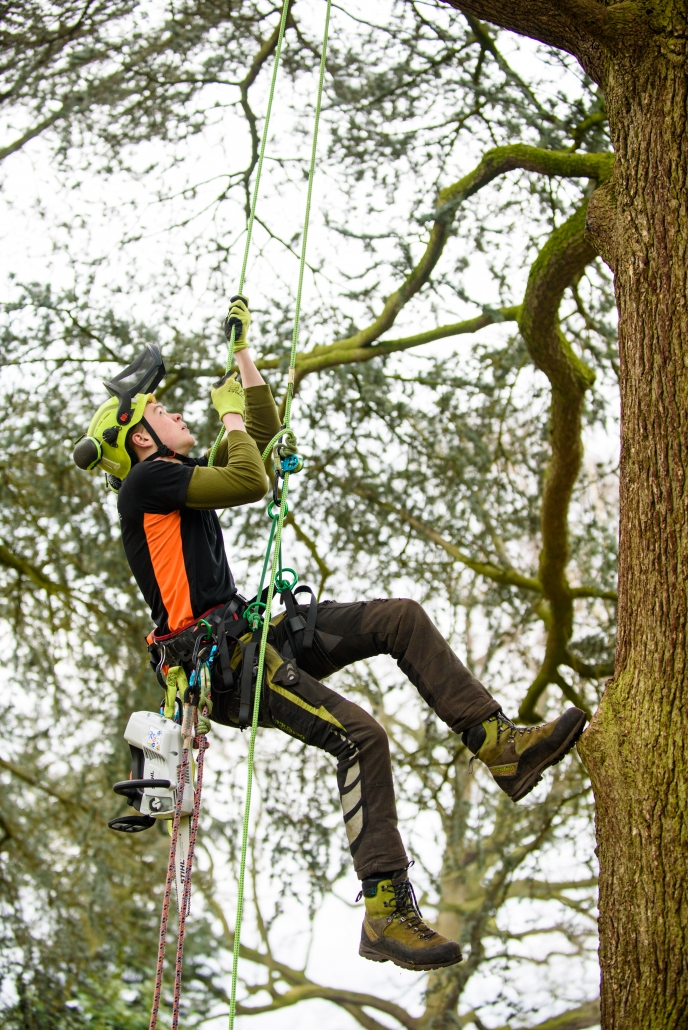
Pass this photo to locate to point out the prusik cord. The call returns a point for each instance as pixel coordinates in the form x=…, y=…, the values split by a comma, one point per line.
x=277, y=539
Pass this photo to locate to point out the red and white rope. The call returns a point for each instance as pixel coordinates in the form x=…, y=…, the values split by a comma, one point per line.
x=184, y=902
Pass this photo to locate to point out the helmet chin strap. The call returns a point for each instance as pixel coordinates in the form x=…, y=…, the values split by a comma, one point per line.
x=163, y=450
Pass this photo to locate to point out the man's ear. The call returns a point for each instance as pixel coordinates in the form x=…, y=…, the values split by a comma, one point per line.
x=140, y=438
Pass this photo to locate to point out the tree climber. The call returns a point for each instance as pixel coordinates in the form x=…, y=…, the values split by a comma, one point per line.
x=174, y=545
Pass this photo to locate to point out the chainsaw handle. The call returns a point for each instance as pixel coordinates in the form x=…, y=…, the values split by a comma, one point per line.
x=127, y=787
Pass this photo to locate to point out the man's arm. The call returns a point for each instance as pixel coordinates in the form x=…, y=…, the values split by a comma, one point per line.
x=241, y=479
x=262, y=420
x=238, y=476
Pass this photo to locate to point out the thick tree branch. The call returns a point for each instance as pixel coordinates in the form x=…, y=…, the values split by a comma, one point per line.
x=580, y=1018
x=588, y=670
x=362, y=1018
x=25, y=568
x=581, y=27
x=542, y=889
x=308, y=991
x=361, y=346
x=587, y=591
x=333, y=355
x=505, y=577
x=33, y=781
x=560, y=261
x=500, y=160
x=495, y=162
x=36, y=130
x=301, y=987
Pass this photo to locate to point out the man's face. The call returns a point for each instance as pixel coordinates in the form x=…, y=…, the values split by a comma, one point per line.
x=171, y=429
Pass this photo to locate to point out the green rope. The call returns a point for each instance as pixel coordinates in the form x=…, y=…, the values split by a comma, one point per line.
x=254, y=199
x=306, y=222
x=276, y=557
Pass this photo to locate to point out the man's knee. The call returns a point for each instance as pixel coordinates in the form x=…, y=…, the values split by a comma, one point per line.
x=362, y=729
x=373, y=736
x=396, y=621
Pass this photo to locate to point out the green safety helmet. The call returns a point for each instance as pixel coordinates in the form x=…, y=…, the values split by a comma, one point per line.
x=104, y=445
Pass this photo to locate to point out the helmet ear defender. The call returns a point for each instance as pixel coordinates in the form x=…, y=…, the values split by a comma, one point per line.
x=87, y=452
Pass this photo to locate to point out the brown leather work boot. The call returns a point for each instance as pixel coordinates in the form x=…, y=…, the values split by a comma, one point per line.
x=518, y=755
x=393, y=928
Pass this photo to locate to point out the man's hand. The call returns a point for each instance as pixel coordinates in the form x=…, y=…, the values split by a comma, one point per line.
x=227, y=396
x=239, y=318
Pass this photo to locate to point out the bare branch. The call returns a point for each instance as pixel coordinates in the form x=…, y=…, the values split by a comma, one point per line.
x=309, y=991
x=266, y=51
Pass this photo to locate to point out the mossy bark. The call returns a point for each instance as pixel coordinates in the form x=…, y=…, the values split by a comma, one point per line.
x=635, y=748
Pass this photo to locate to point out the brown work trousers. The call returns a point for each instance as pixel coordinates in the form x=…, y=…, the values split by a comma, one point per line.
x=296, y=702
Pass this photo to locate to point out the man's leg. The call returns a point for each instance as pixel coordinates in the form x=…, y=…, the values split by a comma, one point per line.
x=401, y=628
x=516, y=756
x=393, y=928
x=308, y=710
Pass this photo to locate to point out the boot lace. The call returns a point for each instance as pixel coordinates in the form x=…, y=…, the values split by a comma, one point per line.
x=504, y=725
x=406, y=910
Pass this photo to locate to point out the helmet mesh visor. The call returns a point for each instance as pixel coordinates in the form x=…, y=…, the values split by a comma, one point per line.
x=141, y=376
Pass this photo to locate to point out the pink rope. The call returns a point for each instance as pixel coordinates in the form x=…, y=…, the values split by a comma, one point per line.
x=185, y=905
x=162, y=940
x=185, y=900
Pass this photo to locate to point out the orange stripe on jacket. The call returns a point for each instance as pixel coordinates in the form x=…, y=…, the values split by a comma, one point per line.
x=164, y=538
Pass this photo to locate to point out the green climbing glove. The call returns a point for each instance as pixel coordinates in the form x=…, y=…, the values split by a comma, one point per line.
x=238, y=317
x=227, y=396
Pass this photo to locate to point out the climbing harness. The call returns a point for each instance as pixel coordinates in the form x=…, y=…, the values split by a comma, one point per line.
x=206, y=643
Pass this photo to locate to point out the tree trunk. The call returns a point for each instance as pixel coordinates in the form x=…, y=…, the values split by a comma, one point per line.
x=635, y=748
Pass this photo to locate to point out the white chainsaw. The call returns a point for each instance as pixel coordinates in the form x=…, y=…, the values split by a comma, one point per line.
x=156, y=753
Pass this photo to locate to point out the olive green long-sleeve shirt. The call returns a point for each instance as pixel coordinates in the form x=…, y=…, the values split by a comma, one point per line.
x=238, y=475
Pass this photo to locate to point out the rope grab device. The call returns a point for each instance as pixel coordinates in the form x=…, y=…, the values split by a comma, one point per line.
x=166, y=781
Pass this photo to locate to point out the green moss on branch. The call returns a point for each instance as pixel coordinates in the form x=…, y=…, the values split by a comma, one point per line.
x=559, y=263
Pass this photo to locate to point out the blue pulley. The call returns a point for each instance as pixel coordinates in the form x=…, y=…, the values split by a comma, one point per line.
x=291, y=463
